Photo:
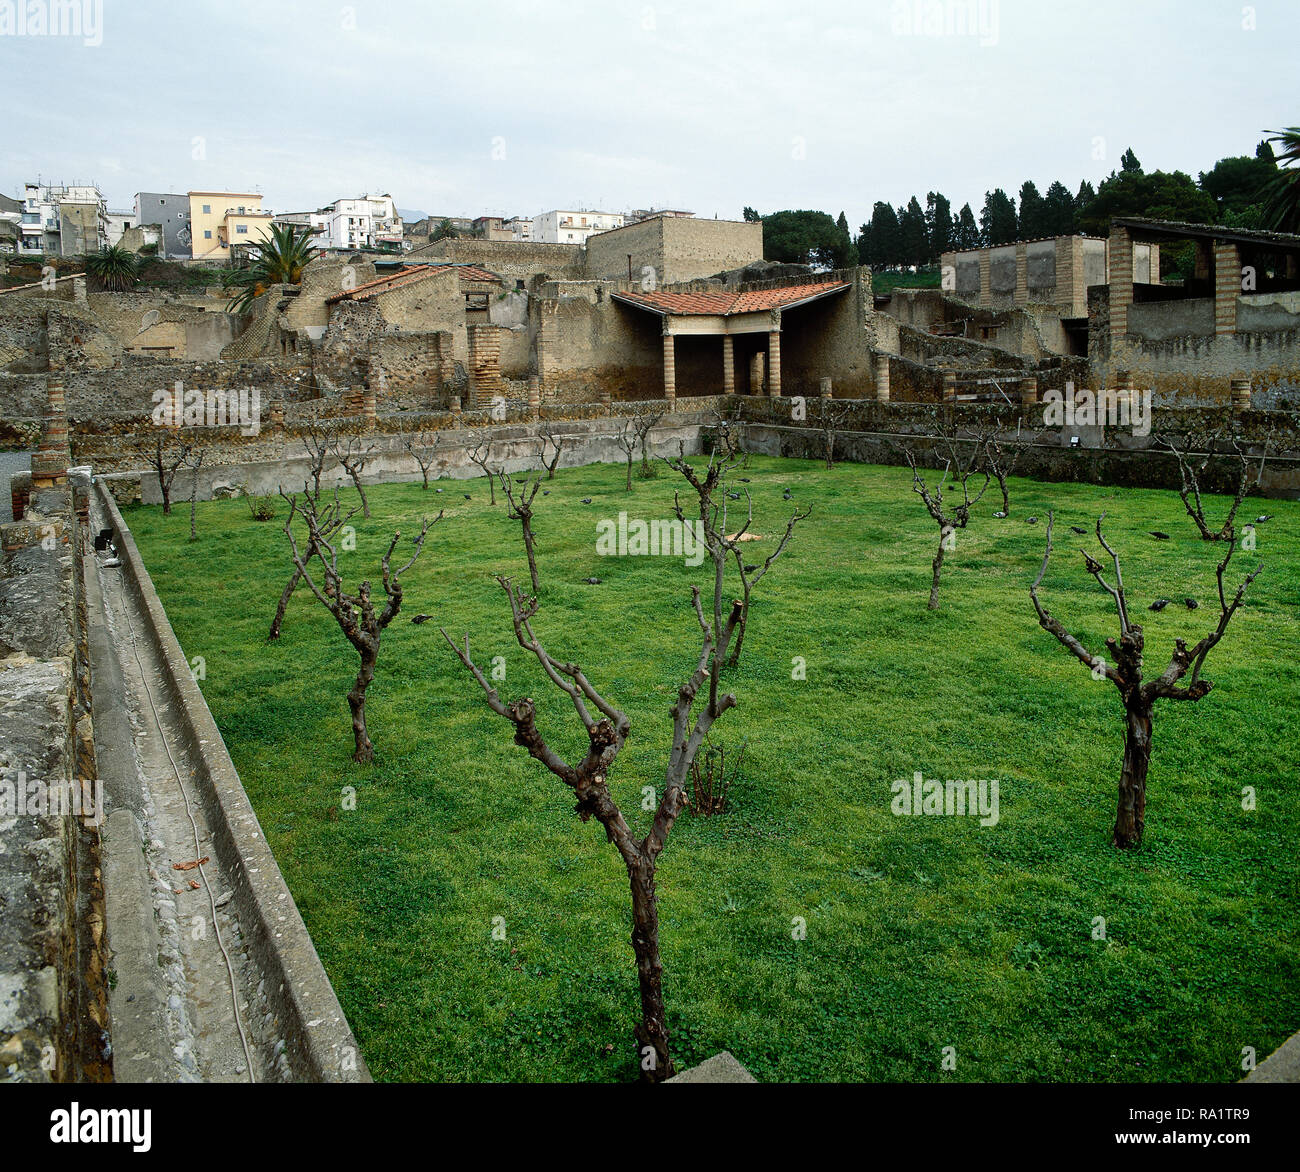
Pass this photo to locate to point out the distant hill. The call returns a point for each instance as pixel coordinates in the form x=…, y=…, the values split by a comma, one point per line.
x=410, y=217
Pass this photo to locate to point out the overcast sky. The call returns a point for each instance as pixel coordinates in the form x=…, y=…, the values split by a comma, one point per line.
x=515, y=108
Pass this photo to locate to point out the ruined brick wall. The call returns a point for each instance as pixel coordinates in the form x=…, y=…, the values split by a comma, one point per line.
x=831, y=338
x=588, y=345
x=512, y=260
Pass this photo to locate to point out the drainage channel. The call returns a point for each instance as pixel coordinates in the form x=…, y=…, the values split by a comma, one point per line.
x=186, y=999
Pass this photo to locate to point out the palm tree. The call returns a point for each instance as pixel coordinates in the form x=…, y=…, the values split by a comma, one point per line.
x=280, y=260
x=1282, y=210
x=113, y=268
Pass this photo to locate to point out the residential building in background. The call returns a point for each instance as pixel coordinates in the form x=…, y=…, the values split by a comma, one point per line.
x=171, y=212
x=220, y=219
x=369, y=223
x=11, y=215
x=119, y=223
x=520, y=227
x=635, y=217
x=59, y=220
x=560, y=227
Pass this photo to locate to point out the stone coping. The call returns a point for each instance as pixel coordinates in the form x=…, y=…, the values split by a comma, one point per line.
x=319, y=1044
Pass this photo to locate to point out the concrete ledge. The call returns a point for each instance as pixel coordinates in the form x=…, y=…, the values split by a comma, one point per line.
x=1283, y=1065
x=319, y=1044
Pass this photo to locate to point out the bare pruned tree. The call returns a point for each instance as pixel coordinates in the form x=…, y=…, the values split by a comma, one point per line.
x=1190, y=472
x=1139, y=695
x=521, y=510
x=194, y=459
x=1003, y=454
x=319, y=442
x=354, y=455
x=963, y=463
x=607, y=730
x=480, y=452
x=355, y=614
x=644, y=419
x=832, y=420
x=550, y=437
x=721, y=545
x=625, y=437
x=165, y=456
x=422, y=446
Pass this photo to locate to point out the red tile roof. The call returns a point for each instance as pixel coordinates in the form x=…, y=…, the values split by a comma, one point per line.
x=409, y=276
x=725, y=304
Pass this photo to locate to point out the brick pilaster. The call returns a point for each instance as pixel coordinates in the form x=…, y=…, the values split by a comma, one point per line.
x=670, y=370
x=1120, y=276
x=882, y=378
x=1022, y=274
x=986, y=282
x=774, y=363
x=728, y=365
x=51, y=460
x=1227, y=287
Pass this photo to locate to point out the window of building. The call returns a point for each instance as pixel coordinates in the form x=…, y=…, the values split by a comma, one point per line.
x=241, y=229
x=207, y=235
x=207, y=209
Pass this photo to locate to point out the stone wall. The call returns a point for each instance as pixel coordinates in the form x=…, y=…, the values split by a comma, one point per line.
x=676, y=248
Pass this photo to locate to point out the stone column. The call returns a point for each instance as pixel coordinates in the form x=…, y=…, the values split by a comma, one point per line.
x=354, y=402
x=1240, y=394
x=986, y=283
x=774, y=363
x=824, y=389
x=670, y=371
x=728, y=365
x=1028, y=392
x=949, y=386
x=1022, y=274
x=757, y=373
x=1120, y=276
x=1227, y=287
x=51, y=460
x=882, y=378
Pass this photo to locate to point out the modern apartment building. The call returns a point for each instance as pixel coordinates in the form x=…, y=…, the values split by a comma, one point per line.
x=219, y=219
x=559, y=227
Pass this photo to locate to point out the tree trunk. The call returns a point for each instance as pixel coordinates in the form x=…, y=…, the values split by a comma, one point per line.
x=365, y=751
x=629, y=473
x=653, y=1059
x=165, y=487
x=734, y=658
x=1130, y=818
x=532, y=557
x=1006, y=500
x=283, y=607
x=934, y=584
x=365, y=504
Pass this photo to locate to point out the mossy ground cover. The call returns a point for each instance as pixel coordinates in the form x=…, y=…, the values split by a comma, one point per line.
x=922, y=932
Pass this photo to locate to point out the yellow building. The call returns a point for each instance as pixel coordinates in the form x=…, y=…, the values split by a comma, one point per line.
x=219, y=219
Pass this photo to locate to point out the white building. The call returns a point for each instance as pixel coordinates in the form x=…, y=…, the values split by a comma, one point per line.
x=369, y=222
x=60, y=220
x=561, y=227
x=520, y=228
x=118, y=223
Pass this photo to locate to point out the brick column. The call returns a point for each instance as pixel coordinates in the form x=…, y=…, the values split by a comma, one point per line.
x=368, y=406
x=949, y=386
x=51, y=460
x=670, y=370
x=1240, y=394
x=774, y=363
x=1022, y=274
x=986, y=284
x=1028, y=392
x=1227, y=287
x=484, y=365
x=277, y=417
x=728, y=365
x=1120, y=276
x=534, y=397
x=882, y=378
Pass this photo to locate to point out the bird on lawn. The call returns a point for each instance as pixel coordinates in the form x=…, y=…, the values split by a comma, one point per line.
x=1031, y=520
x=1265, y=517
x=1078, y=530
x=750, y=569
x=999, y=514
x=786, y=495
x=743, y=479
x=1192, y=604
x=439, y=490
x=1158, y=535
x=1159, y=604
x=733, y=496
x=467, y=496
x=586, y=500
x=592, y=581
x=421, y=618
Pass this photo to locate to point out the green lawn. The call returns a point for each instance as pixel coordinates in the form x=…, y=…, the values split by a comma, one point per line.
x=922, y=932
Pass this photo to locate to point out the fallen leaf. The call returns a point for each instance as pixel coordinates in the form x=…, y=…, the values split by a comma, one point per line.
x=190, y=865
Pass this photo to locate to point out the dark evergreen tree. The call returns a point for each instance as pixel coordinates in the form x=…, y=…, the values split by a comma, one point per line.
x=915, y=238
x=1032, y=220
x=938, y=218
x=1058, y=211
x=967, y=233
x=998, y=223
